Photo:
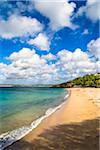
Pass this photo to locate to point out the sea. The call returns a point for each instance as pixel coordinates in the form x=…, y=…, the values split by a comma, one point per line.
x=23, y=109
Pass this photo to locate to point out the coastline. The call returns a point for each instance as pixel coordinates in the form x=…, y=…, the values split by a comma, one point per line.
x=10, y=137
x=82, y=105
x=77, y=108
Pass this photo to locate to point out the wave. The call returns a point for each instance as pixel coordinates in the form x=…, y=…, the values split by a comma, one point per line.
x=10, y=137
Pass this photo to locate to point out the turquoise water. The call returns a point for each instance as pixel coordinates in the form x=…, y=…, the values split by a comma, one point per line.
x=21, y=106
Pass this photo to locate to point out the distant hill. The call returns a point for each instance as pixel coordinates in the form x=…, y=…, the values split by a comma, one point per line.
x=92, y=80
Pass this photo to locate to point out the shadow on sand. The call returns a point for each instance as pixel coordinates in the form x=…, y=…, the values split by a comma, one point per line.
x=80, y=136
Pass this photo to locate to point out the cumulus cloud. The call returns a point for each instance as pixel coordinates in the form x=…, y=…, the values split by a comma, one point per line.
x=24, y=53
x=49, y=57
x=75, y=64
x=91, y=10
x=58, y=12
x=41, y=41
x=28, y=67
x=94, y=48
x=18, y=26
x=77, y=55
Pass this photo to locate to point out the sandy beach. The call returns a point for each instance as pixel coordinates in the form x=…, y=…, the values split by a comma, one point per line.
x=74, y=125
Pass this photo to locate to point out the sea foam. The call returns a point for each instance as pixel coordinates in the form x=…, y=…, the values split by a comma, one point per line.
x=10, y=137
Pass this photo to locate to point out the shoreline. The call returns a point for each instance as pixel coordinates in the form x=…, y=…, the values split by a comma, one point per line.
x=79, y=107
x=85, y=110
x=13, y=136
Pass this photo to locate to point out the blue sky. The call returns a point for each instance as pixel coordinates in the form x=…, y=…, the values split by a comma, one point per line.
x=48, y=41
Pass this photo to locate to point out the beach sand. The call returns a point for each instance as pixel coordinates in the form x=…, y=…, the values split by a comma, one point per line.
x=73, y=127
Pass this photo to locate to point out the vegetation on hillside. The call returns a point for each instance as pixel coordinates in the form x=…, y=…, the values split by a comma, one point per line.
x=92, y=80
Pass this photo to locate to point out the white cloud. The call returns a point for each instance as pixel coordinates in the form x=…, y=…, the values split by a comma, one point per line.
x=80, y=11
x=28, y=67
x=85, y=32
x=77, y=55
x=98, y=66
x=49, y=57
x=94, y=48
x=24, y=53
x=18, y=26
x=41, y=41
x=91, y=2
x=76, y=63
x=91, y=10
x=58, y=12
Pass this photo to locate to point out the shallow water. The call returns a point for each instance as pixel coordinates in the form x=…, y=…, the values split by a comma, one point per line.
x=21, y=106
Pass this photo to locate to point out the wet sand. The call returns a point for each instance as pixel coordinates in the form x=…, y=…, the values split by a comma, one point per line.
x=75, y=124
